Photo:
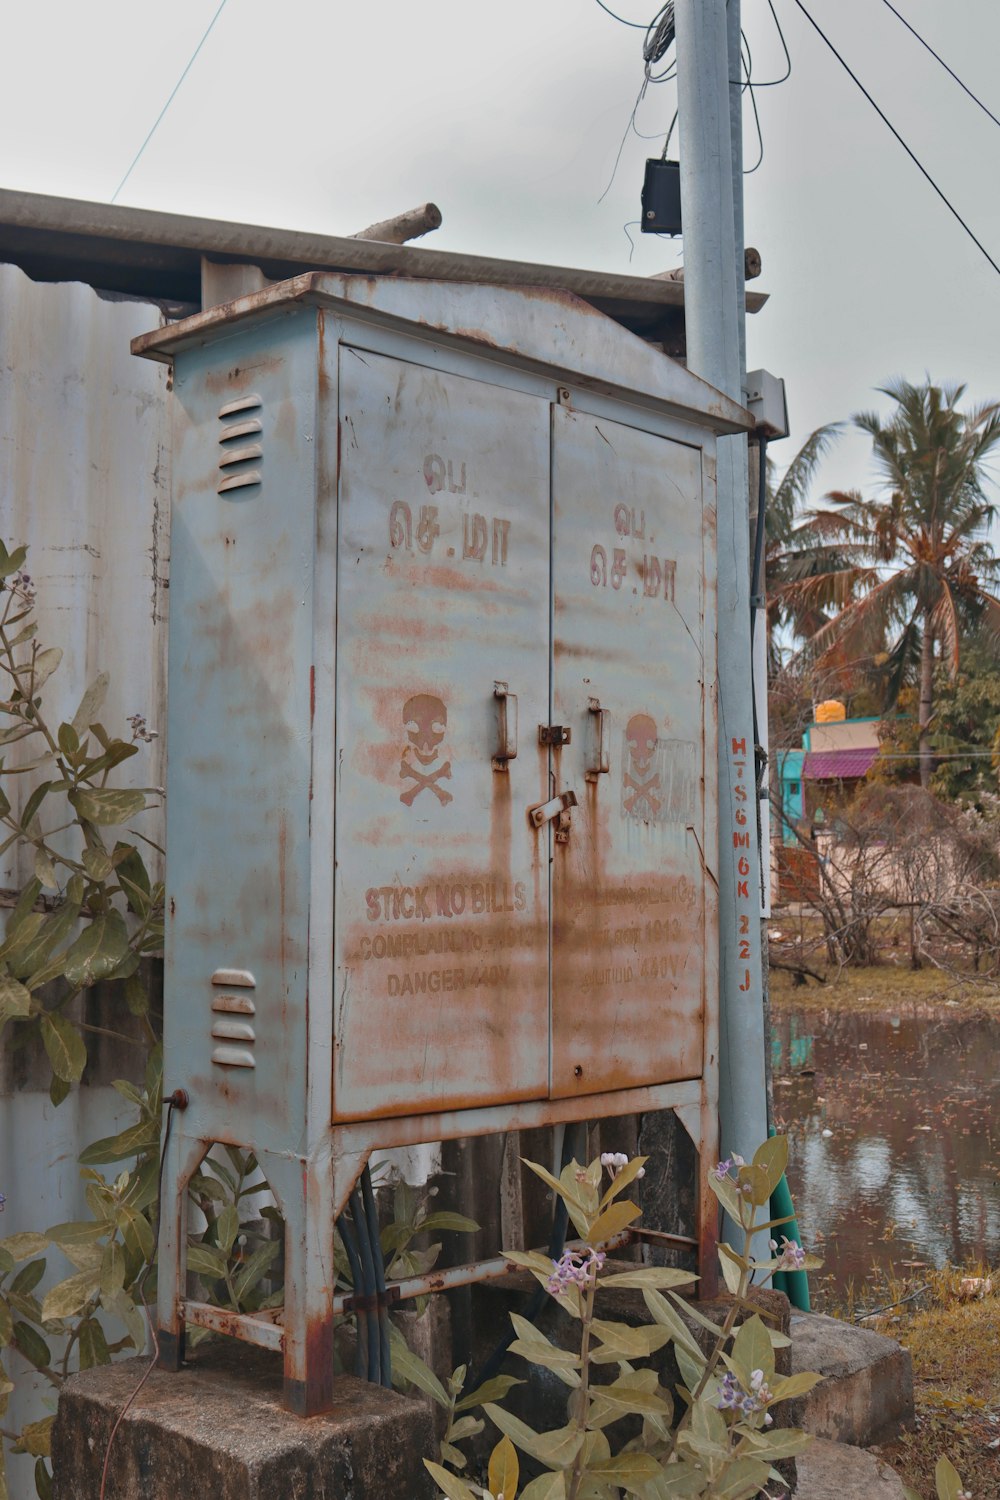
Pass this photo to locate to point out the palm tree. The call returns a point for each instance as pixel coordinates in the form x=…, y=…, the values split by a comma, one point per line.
x=789, y=558
x=915, y=566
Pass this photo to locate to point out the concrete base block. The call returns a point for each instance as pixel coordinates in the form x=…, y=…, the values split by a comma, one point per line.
x=867, y=1394
x=218, y=1428
x=836, y=1471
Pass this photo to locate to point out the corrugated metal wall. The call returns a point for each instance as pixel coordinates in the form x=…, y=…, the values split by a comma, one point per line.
x=85, y=482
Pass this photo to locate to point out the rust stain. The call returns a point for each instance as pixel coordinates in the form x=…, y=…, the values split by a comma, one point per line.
x=438, y=967
x=283, y=895
x=454, y=579
x=241, y=376
x=323, y=374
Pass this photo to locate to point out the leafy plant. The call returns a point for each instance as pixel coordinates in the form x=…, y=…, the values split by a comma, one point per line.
x=718, y=1442
x=914, y=569
x=410, y=1371
x=947, y=1482
x=89, y=912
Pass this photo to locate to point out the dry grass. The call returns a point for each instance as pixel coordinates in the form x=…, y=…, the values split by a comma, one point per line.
x=889, y=986
x=954, y=1345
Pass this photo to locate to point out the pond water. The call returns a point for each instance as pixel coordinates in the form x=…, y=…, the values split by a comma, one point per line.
x=894, y=1139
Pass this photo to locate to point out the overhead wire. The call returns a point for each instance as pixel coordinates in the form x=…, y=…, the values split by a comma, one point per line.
x=749, y=88
x=170, y=99
x=660, y=36
x=772, y=83
x=938, y=58
x=656, y=43
x=891, y=127
x=639, y=25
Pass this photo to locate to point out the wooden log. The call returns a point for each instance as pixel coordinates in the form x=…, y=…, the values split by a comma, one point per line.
x=751, y=268
x=405, y=226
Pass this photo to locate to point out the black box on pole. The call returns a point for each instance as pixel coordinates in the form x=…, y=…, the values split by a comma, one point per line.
x=661, y=197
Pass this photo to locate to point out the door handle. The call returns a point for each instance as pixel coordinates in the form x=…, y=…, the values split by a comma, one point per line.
x=600, y=744
x=506, y=726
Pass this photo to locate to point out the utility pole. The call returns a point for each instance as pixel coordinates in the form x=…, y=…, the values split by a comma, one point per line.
x=710, y=117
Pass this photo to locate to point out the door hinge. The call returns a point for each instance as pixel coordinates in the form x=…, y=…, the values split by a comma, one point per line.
x=554, y=734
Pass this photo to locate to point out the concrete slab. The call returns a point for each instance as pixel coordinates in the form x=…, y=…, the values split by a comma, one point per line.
x=838, y=1471
x=218, y=1428
x=867, y=1394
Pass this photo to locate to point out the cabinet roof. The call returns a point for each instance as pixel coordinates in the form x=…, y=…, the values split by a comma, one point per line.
x=547, y=329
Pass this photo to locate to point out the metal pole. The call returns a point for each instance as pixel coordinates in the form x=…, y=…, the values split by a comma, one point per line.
x=713, y=302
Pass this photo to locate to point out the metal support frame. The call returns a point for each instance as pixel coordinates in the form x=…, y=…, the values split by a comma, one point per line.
x=305, y=1334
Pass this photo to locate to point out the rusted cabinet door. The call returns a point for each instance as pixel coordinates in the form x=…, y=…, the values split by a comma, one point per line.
x=441, y=926
x=628, y=917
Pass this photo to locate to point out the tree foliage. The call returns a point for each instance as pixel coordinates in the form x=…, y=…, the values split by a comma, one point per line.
x=912, y=569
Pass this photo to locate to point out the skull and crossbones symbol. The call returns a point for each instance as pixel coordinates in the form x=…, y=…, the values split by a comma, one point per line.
x=641, y=738
x=425, y=720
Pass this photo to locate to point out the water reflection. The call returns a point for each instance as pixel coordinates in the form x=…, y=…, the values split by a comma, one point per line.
x=908, y=1171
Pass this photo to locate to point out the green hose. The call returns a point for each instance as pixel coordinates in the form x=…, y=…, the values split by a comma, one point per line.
x=794, y=1284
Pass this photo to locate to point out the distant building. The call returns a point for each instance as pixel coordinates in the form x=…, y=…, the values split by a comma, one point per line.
x=837, y=754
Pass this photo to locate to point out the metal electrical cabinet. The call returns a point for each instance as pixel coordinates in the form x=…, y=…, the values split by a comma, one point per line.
x=441, y=789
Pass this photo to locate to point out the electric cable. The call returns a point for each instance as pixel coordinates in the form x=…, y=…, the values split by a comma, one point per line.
x=756, y=593
x=177, y=1100
x=666, y=143
x=749, y=87
x=657, y=42
x=173, y=94
x=756, y=604
x=639, y=25
x=370, y=1291
x=371, y=1215
x=773, y=83
x=887, y=122
x=631, y=242
x=659, y=36
x=349, y=1241
x=938, y=58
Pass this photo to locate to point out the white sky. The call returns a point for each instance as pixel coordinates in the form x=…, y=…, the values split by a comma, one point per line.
x=509, y=116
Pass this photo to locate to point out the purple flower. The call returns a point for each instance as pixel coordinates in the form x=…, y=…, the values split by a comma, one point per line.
x=22, y=586
x=3, y=1202
x=792, y=1256
x=721, y=1169
x=574, y=1268
x=732, y=1396
x=139, y=729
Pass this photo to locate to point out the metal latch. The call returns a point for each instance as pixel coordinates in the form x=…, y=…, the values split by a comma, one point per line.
x=554, y=734
x=558, y=808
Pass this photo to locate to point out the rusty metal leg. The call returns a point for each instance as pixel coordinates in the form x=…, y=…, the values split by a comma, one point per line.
x=702, y=1124
x=182, y=1160
x=311, y=1193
